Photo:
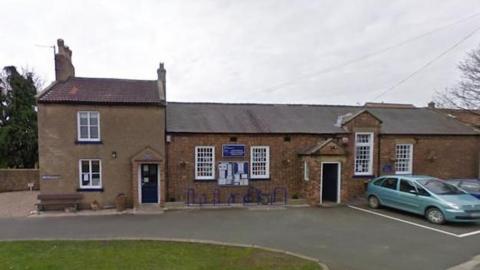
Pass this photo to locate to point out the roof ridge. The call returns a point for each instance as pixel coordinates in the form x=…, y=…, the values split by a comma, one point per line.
x=262, y=104
x=118, y=79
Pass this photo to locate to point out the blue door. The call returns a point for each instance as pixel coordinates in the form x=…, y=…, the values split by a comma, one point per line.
x=149, y=183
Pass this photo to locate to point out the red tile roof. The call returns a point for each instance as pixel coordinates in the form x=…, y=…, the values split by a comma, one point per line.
x=101, y=90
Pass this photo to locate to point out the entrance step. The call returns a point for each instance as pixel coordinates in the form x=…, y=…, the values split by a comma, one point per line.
x=330, y=204
x=148, y=209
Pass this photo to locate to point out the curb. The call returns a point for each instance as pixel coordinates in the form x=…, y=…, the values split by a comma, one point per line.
x=183, y=240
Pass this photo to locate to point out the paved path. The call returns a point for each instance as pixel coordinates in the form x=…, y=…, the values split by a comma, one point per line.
x=17, y=204
x=343, y=238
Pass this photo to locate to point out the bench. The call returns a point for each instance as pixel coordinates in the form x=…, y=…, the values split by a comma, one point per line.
x=59, y=200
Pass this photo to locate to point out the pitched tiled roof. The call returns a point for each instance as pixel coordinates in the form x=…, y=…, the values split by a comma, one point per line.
x=306, y=119
x=101, y=90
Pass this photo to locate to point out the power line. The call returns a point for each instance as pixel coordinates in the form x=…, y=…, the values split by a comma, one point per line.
x=368, y=55
x=469, y=35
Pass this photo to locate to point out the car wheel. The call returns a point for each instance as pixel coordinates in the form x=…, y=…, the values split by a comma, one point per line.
x=373, y=202
x=435, y=216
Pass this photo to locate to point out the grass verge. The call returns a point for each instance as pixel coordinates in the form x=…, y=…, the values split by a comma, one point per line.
x=141, y=254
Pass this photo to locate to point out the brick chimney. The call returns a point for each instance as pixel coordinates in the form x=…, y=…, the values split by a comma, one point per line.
x=64, y=68
x=161, y=72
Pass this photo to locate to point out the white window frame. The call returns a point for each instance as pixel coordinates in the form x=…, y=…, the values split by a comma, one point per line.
x=410, y=158
x=370, y=144
x=202, y=177
x=267, y=163
x=82, y=186
x=306, y=171
x=89, y=139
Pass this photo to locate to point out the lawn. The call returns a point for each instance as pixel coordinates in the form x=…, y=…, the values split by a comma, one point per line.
x=140, y=255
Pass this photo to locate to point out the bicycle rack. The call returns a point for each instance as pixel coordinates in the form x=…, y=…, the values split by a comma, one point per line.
x=216, y=197
x=232, y=198
x=280, y=190
x=251, y=195
x=190, y=197
x=203, y=199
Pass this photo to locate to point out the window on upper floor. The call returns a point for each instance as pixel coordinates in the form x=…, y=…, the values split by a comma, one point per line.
x=88, y=126
x=260, y=162
x=363, y=153
x=90, y=173
x=403, y=155
x=204, y=162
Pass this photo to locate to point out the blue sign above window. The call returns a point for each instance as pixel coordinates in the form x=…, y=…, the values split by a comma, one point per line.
x=233, y=150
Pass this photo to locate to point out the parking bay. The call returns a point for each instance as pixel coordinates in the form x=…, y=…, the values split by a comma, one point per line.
x=460, y=230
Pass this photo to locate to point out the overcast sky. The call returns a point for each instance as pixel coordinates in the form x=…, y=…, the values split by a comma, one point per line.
x=250, y=51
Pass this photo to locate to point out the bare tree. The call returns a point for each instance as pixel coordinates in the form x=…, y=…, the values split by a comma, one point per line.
x=465, y=95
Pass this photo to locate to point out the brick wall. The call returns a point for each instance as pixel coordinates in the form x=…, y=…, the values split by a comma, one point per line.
x=285, y=165
x=18, y=179
x=439, y=156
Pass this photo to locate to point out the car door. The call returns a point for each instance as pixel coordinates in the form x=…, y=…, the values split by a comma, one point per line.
x=388, y=191
x=408, y=196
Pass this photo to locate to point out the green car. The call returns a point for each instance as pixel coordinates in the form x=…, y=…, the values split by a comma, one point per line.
x=436, y=199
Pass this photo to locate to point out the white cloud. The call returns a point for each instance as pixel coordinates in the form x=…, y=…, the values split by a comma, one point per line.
x=232, y=50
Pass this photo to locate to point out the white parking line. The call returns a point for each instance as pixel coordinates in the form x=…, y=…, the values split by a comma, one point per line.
x=415, y=224
x=469, y=234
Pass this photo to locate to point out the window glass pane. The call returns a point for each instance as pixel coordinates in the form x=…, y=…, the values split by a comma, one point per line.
x=378, y=182
x=90, y=173
x=390, y=183
x=471, y=186
x=89, y=125
x=363, y=147
x=403, y=153
x=83, y=118
x=85, y=179
x=95, y=179
x=84, y=132
x=363, y=138
x=93, y=132
x=94, y=119
x=422, y=191
x=407, y=186
x=85, y=166
x=95, y=166
x=259, y=157
x=204, y=162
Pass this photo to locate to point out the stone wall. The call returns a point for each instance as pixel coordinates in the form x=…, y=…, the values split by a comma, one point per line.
x=125, y=131
x=18, y=179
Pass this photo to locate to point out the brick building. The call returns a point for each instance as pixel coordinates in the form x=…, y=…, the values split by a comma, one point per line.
x=102, y=137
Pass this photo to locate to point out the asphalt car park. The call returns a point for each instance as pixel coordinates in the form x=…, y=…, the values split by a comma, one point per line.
x=455, y=229
x=342, y=237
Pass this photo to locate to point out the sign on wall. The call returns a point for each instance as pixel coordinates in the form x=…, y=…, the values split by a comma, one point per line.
x=233, y=150
x=50, y=177
x=233, y=173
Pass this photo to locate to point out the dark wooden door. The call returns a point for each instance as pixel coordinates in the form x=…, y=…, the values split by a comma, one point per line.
x=149, y=183
x=330, y=182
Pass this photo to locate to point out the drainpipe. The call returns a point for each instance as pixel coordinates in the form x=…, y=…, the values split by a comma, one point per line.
x=378, y=155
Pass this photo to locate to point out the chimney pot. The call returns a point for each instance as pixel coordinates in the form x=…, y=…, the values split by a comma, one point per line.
x=161, y=81
x=64, y=68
